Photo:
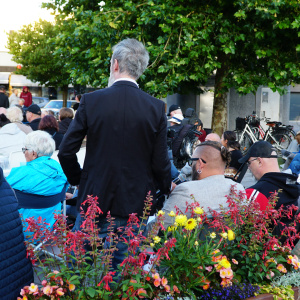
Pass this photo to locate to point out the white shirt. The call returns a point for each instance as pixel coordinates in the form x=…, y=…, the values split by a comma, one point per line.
x=127, y=79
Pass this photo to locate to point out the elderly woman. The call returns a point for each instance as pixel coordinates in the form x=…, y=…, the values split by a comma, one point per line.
x=40, y=176
x=15, y=115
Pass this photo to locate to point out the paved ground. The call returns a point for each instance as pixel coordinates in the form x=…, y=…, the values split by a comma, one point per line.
x=248, y=180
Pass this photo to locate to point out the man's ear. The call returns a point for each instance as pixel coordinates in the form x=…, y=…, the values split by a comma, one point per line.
x=115, y=65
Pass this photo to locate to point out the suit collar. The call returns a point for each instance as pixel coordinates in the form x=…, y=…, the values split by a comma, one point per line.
x=125, y=82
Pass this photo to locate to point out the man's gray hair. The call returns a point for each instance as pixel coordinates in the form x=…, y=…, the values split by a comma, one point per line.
x=14, y=114
x=132, y=57
x=40, y=142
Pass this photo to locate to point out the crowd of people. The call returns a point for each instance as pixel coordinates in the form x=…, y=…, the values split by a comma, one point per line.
x=126, y=157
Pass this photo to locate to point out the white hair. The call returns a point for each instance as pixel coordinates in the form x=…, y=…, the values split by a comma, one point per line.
x=14, y=114
x=40, y=142
x=132, y=57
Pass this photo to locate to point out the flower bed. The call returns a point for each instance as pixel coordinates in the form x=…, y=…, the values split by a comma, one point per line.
x=210, y=256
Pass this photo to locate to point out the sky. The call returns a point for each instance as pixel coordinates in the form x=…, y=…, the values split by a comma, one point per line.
x=16, y=13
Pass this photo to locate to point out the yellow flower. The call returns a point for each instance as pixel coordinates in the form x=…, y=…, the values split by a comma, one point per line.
x=225, y=263
x=199, y=220
x=190, y=224
x=196, y=243
x=171, y=213
x=151, y=245
x=181, y=220
x=160, y=213
x=231, y=235
x=224, y=235
x=71, y=287
x=213, y=235
x=198, y=210
x=172, y=228
x=156, y=239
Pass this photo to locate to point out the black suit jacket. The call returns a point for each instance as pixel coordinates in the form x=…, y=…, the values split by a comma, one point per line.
x=126, y=150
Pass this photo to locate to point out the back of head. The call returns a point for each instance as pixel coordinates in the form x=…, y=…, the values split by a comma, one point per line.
x=66, y=113
x=132, y=57
x=40, y=142
x=230, y=136
x=48, y=122
x=14, y=114
x=215, y=155
x=213, y=137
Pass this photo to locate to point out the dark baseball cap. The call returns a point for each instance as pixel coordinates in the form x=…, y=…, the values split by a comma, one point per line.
x=173, y=107
x=261, y=149
x=2, y=87
x=35, y=109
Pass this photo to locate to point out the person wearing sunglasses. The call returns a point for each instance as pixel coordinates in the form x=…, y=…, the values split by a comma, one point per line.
x=262, y=162
x=209, y=187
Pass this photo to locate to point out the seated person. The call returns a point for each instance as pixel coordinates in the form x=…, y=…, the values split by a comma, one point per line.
x=40, y=176
x=174, y=109
x=208, y=186
x=262, y=162
x=11, y=136
x=15, y=115
x=228, y=140
x=16, y=270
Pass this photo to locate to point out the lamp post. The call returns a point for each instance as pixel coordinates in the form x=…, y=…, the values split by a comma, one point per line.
x=19, y=67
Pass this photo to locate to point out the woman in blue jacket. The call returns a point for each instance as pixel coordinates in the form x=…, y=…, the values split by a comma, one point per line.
x=41, y=176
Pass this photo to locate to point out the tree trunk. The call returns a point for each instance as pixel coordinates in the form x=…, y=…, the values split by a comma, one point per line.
x=219, y=119
x=65, y=95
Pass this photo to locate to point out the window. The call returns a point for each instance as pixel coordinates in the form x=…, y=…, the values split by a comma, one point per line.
x=295, y=107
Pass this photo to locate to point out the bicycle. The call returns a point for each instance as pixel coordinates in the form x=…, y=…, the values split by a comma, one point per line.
x=249, y=131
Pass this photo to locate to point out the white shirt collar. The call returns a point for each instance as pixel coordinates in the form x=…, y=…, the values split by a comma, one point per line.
x=126, y=79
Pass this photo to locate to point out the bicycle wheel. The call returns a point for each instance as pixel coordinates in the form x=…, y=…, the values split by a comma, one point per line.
x=245, y=143
x=280, y=140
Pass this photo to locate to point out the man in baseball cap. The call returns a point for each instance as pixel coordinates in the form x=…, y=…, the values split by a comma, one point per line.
x=174, y=109
x=33, y=116
x=262, y=162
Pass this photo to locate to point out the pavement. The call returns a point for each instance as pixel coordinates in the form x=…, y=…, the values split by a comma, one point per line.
x=248, y=180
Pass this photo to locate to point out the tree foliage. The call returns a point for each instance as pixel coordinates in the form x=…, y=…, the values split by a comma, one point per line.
x=244, y=44
x=34, y=47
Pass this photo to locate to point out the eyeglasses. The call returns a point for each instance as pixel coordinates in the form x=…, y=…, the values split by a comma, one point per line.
x=250, y=161
x=191, y=160
x=25, y=149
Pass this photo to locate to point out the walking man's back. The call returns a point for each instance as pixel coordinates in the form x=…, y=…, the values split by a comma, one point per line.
x=126, y=154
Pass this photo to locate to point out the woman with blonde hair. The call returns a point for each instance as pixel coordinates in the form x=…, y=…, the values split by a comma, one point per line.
x=15, y=115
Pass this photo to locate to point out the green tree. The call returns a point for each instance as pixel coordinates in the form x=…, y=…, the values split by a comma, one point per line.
x=34, y=48
x=244, y=44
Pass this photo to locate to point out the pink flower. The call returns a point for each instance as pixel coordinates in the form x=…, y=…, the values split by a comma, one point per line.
x=47, y=290
x=164, y=281
x=175, y=289
x=156, y=282
x=44, y=282
x=60, y=292
x=141, y=291
x=167, y=288
x=209, y=269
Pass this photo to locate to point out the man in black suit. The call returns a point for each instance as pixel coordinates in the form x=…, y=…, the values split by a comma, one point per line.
x=126, y=150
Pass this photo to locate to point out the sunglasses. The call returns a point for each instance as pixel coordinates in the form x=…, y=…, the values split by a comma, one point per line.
x=191, y=160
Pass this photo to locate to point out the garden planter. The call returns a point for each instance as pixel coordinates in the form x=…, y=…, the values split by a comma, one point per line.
x=271, y=297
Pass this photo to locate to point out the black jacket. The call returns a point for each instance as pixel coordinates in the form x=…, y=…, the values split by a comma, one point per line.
x=15, y=268
x=64, y=125
x=4, y=100
x=56, y=136
x=289, y=193
x=126, y=150
x=35, y=124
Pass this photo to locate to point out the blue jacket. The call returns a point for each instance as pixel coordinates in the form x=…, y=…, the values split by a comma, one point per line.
x=295, y=164
x=41, y=176
x=15, y=268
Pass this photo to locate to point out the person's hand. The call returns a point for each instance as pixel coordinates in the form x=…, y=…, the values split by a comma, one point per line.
x=69, y=196
x=173, y=187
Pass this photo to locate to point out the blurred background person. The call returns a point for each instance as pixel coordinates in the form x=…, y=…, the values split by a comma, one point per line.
x=33, y=116
x=3, y=97
x=14, y=99
x=26, y=95
x=50, y=125
x=77, y=99
x=15, y=115
x=229, y=141
x=41, y=175
x=213, y=137
x=199, y=128
x=65, y=118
